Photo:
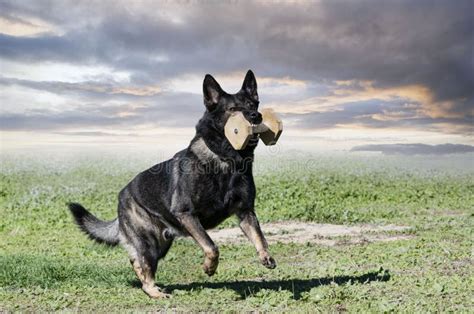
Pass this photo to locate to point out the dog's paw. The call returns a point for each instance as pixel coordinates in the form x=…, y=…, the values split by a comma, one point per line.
x=211, y=260
x=268, y=261
x=210, y=269
x=156, y=293
x=210, y=266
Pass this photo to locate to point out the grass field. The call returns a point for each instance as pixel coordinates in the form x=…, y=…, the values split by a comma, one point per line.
x=47, y=264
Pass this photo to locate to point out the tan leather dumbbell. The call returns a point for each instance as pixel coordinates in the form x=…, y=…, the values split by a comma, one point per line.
x=239, y=130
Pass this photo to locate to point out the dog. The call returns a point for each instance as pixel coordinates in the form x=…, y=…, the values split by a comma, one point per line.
x=188, y=194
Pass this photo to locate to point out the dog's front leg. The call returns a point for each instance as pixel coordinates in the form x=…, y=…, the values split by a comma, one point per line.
x=199, y=234
x=251, y=228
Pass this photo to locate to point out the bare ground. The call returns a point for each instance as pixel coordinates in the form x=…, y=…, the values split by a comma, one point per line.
x=324, y=234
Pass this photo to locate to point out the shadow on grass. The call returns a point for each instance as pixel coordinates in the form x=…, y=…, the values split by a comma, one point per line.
x=246, y=288
x=33, y=270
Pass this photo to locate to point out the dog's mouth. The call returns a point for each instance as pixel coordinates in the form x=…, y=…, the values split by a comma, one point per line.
x=253, y=141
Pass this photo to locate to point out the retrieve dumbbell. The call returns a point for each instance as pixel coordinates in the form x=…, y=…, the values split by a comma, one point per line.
x=239, y=130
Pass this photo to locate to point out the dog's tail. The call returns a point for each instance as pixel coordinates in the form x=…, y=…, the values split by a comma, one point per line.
x=98, y=230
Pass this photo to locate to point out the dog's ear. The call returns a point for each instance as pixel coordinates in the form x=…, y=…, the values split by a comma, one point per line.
x=212, y=92
x=250, y=85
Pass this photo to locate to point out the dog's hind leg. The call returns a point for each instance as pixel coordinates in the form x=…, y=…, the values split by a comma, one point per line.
x=143, y=238
x=145, y=269
x=144, y=261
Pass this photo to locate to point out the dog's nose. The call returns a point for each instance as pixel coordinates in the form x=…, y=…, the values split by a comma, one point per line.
x=255, y=116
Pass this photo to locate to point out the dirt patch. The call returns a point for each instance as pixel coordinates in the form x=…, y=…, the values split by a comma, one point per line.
x=324, y=234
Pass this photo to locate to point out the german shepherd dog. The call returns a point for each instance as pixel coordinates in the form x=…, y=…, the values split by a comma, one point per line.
x=196, y=190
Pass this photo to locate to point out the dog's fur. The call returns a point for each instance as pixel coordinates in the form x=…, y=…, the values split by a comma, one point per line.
x=196, y=190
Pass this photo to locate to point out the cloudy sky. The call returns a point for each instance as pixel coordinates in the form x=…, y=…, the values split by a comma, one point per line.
x=340, y=73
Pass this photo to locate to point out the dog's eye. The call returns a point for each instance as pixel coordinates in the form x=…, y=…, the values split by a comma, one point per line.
x=233, y=109
x=252, y=105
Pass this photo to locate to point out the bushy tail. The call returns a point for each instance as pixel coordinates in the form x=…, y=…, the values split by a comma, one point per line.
x=101, y=231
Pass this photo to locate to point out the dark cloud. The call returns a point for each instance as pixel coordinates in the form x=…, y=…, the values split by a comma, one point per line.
x=86, y=89
x=378, y=115
x=392, y=43
x=349, y=113
x=94, y=134
x=44, y=48
x=415, y=149
x=180, y=110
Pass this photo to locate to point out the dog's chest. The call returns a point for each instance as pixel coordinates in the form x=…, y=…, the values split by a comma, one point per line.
x=219, y=196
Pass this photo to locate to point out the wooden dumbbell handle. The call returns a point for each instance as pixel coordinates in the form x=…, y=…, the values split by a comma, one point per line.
x=259, y=128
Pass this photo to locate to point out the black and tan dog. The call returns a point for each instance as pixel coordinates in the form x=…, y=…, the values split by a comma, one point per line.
x=196, y=190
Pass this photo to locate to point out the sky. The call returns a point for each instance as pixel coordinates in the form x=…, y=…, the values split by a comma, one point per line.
x=339, y=73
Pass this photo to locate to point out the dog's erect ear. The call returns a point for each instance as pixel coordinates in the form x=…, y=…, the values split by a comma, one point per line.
x=212, y=92
x=250, y=85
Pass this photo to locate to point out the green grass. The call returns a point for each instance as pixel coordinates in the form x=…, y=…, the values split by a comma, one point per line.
x=47, y=264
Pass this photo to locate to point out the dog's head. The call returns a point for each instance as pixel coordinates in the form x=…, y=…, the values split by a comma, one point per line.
x=221, y=105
